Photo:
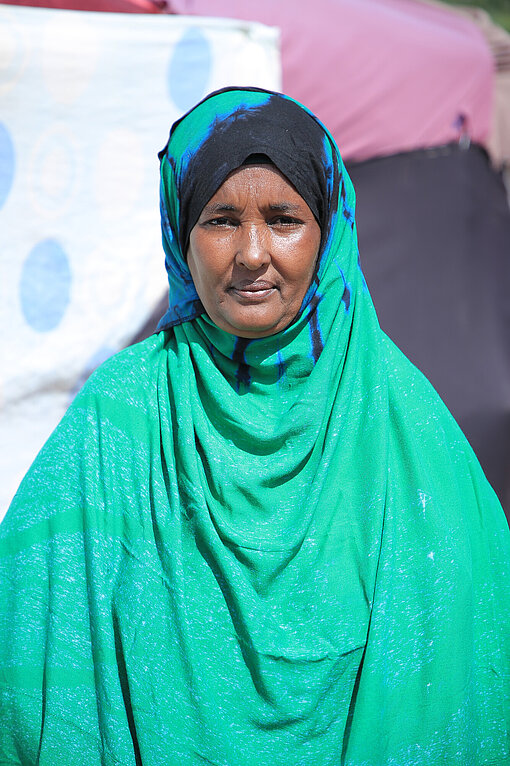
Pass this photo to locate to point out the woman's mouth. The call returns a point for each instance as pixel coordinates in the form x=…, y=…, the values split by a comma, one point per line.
x=253, y=291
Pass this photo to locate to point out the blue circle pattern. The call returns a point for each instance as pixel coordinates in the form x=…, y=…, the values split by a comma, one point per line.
x=7, y=163
x=45, y=285
x=189, y=69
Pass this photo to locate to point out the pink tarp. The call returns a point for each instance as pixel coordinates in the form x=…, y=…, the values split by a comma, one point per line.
x=384, y=75
x=111, y=6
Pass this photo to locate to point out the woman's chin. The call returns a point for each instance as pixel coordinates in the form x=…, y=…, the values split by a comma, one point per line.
x=251, y=327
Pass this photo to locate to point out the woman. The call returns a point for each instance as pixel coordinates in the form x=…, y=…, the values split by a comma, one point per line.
x=258, y=537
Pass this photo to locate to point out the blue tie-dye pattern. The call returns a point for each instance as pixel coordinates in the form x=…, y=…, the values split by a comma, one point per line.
x=346, y=298
x=348, y=214
x=346, y=295
x=364, y=285
x=212, y=116
x=243, y=376
x=328, y=165
x=282, y=365
x=183, y=297
x=316, y=339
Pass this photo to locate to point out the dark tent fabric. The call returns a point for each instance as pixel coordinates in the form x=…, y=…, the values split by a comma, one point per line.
x=434, y=236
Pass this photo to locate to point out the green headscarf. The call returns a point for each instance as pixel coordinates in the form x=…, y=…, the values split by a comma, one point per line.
x=261, y=553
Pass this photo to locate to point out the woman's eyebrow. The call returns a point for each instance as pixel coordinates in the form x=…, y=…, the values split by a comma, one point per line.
x=217, y=207
x=285, y=207
x=280, y=207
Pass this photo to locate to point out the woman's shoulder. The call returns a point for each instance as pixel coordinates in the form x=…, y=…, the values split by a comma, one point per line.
x=130, y=371
x=123, y=392
x=431, y=443
x=411, y=389
x=111, y=419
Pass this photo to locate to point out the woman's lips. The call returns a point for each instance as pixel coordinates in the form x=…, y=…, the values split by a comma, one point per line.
x=255, y=291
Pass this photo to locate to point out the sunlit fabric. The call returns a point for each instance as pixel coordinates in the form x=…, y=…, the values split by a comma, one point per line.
x=257, y=553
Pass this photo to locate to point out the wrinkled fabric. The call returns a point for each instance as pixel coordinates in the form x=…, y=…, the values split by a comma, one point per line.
x=267, y=552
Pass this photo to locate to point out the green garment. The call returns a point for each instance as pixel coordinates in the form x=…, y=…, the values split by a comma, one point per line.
x=307, y=569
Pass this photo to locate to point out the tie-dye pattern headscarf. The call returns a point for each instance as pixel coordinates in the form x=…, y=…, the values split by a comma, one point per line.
x=256, y=552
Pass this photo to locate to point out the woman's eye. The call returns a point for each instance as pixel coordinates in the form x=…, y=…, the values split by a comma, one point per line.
x=221, y=221
x=284, y=220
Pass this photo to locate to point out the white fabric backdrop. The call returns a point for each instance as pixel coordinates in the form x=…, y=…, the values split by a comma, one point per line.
x=86, y=101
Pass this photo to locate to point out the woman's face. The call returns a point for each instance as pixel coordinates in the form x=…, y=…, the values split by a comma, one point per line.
x=252, y=252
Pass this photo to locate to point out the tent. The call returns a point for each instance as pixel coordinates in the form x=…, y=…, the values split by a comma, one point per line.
x=86, y=102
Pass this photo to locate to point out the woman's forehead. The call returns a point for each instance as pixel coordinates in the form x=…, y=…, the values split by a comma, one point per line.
x=265, y=183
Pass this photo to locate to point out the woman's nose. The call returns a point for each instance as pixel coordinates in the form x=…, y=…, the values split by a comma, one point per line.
x=252, y=247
